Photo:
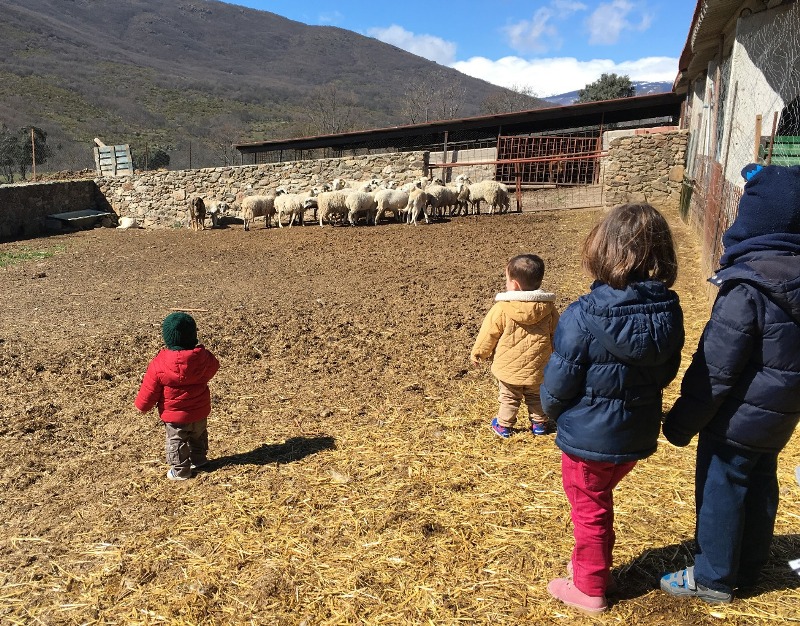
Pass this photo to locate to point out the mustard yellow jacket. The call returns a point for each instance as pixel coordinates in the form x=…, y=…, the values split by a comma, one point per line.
x=517, y=333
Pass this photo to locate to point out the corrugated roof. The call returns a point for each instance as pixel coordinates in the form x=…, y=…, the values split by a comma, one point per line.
x=702, y=44
x=551, y=118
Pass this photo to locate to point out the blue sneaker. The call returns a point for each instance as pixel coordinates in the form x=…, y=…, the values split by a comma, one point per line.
x=500, y=431
x=539, y=428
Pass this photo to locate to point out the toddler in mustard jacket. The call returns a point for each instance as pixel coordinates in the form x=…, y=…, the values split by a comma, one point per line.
x=517, y=334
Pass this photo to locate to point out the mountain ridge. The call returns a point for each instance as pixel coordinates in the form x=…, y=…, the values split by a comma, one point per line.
x=643, y=88
x=149, y=73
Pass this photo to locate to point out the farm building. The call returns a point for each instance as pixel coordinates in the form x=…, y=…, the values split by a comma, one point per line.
x=560, y=145
x=739, y=75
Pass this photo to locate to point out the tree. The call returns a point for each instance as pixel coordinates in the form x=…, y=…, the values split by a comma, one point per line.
x=42, y=150
x=17, y=151
x=330, y=110
x=10, y=151
x=151, y=158
x=607, y=87
x=515, y=98
x=436, y=97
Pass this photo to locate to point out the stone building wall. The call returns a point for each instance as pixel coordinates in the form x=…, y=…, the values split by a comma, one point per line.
x=159, y=199
x=645, y=168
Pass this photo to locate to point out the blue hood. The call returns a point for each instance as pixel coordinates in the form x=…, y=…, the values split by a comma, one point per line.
x=638, y=324
x=768, y=217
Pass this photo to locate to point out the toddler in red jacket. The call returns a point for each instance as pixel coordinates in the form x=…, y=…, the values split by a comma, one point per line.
x=176, y=381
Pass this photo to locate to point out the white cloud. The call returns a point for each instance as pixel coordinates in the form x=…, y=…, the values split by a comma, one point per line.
x=427, y=46
x=535, y=35
x=557, y=75
x=333, y=18
x=566, y=7
x=608, y=21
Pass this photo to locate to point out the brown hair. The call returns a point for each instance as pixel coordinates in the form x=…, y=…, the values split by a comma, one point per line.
x=631, y=244
x=527, y=270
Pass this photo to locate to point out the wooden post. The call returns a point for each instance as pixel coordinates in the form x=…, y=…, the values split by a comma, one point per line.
x=712, y=152
x=33, y=154
x=444, y=158
x=772, y=137
x=757, y=147
x=730, y=127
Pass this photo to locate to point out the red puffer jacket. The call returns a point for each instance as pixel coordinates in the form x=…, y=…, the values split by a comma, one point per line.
x=177, y=382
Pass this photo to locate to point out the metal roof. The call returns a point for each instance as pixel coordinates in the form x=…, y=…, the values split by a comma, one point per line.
x=711, y=19
x=537, y=120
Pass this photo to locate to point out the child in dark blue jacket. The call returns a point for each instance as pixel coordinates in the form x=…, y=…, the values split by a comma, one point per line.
x=614, y=351
x=741, y=392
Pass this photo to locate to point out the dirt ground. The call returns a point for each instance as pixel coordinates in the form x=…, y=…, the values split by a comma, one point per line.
x=355, y=479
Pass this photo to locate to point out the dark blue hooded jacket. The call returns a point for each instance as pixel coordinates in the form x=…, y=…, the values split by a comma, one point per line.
x=614, y=351
x=743, y=385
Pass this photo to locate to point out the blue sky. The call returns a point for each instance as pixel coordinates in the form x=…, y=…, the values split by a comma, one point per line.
x=550, y=47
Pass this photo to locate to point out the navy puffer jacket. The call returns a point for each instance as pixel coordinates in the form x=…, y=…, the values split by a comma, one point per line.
x=614, y=352
x=743, y=385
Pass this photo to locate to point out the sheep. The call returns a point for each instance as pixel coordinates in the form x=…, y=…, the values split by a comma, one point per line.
x=441, y=198
x=393, y=200
x=361, y=204
x=462, y=197
x=291, y=204
x=493, y=193
x=332, y=205
x=311, y=202
x=418, y=200
x=197, y=213
x=357, y=185
x=256, y=206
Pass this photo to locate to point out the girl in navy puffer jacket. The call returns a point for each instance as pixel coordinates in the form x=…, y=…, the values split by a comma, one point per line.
x=741, y=392
x=615, y=350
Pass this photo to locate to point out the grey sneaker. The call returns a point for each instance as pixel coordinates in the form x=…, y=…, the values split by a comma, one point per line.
x=173, y=475
x=682, y=583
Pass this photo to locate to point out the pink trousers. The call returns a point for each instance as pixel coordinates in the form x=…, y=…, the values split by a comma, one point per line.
x=589, y=487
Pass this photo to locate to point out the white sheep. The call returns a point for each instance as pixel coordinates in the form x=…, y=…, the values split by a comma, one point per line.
x=418, y=201
x=332, y=206
x=442, y=199
x=356, y=185
x=361, y=204
x=292, y=205
x=462, y=198
x=394, y=200
x=493, y=193
x=256, y=206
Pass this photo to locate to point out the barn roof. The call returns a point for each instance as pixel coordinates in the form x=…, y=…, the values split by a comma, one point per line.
x=656, y=106
x=711, y=19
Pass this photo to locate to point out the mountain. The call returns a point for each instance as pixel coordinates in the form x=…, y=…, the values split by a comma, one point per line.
x=202, y=75
x=642, y=89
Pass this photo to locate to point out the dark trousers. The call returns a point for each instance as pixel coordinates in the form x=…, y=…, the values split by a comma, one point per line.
x=736, y=496
x=186, y=444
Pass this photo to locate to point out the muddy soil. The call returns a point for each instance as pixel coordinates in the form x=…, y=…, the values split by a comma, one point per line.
x=324, y=335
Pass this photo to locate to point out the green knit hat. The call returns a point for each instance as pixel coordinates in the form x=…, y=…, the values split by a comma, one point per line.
x=179, y=331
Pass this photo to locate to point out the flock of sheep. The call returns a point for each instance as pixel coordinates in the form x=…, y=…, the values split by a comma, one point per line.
x=352, y=202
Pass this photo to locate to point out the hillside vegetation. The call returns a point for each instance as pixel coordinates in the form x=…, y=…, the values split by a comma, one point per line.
x=153, y=73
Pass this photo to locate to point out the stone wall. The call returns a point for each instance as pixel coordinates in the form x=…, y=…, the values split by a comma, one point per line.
x=645, y=168
x=24, y=207
x=159, y=199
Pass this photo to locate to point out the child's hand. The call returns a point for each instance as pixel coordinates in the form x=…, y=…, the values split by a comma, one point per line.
x=476, y=362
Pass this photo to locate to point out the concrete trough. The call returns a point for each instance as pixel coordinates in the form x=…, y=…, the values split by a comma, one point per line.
x=80, y=220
